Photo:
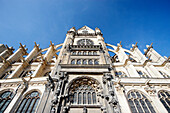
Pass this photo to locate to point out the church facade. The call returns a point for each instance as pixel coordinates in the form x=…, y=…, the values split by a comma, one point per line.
x=84, y=75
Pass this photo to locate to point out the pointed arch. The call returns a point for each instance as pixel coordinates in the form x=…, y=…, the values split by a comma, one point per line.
x=83, y=90
x=138, y=102
x=164, y=97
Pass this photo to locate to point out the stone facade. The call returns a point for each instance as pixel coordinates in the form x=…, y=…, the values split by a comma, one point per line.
x=80, y=76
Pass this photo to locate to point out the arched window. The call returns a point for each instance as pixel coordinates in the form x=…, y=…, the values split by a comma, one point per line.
x=28, y=73
x=74, y=53
x=164, y=97
x=94, y=53
x=142, y=74
x=94, y=97
x=84, y=98
x=85, y=90
x=90, y=62
x=5, y=99
x=96, y=62
x=29, y=103
x=79, y=53
x=6, y=75
x=164, y=74
x=120, y=74
x=75, y=98
x=89, y=98
x=84, y=52
x=139, y=103
x=79, y=98
x=90, y=53
x=84, y=61
x=73, y=61
x=79, y=61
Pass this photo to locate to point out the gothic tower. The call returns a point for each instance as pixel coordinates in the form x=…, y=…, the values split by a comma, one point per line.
x=81, y=76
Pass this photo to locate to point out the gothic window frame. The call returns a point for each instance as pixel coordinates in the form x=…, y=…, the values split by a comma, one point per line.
x=84, y=62
x=90, y=52
x=139, y=102
x=120, y=74
x=164, y=98
x=85, y=42
x=6, y=74
x=142, y=74
x=90, y=62
x=27, y=101
x=94, y=53
x=4, y=102
x=84, y=53
x=78, y=62
x=96, y=62
x=74, y=53
x=84, y=92
x=73, y=61
x=79, y=53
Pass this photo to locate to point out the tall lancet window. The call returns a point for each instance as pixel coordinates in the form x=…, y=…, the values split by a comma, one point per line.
x=139, y=103
x=5, y=99
x=83, y=91
x=29, y=103
x=164, y=97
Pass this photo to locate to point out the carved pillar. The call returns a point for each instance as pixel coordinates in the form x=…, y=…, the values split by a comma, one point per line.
x=112, y=102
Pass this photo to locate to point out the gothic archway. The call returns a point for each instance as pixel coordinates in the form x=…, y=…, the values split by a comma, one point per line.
x=83, y=91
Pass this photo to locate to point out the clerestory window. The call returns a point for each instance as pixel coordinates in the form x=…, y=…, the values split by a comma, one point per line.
x=164, y=97
x=139, y=103
x=5, y=99
x=29, y=103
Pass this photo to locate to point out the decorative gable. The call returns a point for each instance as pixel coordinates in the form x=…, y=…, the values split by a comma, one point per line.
x=85, y=30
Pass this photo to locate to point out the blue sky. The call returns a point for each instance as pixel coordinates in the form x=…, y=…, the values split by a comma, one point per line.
x=129, y=21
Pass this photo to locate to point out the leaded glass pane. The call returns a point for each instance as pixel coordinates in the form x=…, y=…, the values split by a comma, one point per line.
x=94, y=97
x=150, y=106
x=5, y=99
x=89, y=98
x=139, y=103
x=78, y=61
x=29, y=103
x=79, y=98
x=132, y=106
x=84, y=98
x=90, y=62
x=75, y=97
x=165, y=99
x=73, y=62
